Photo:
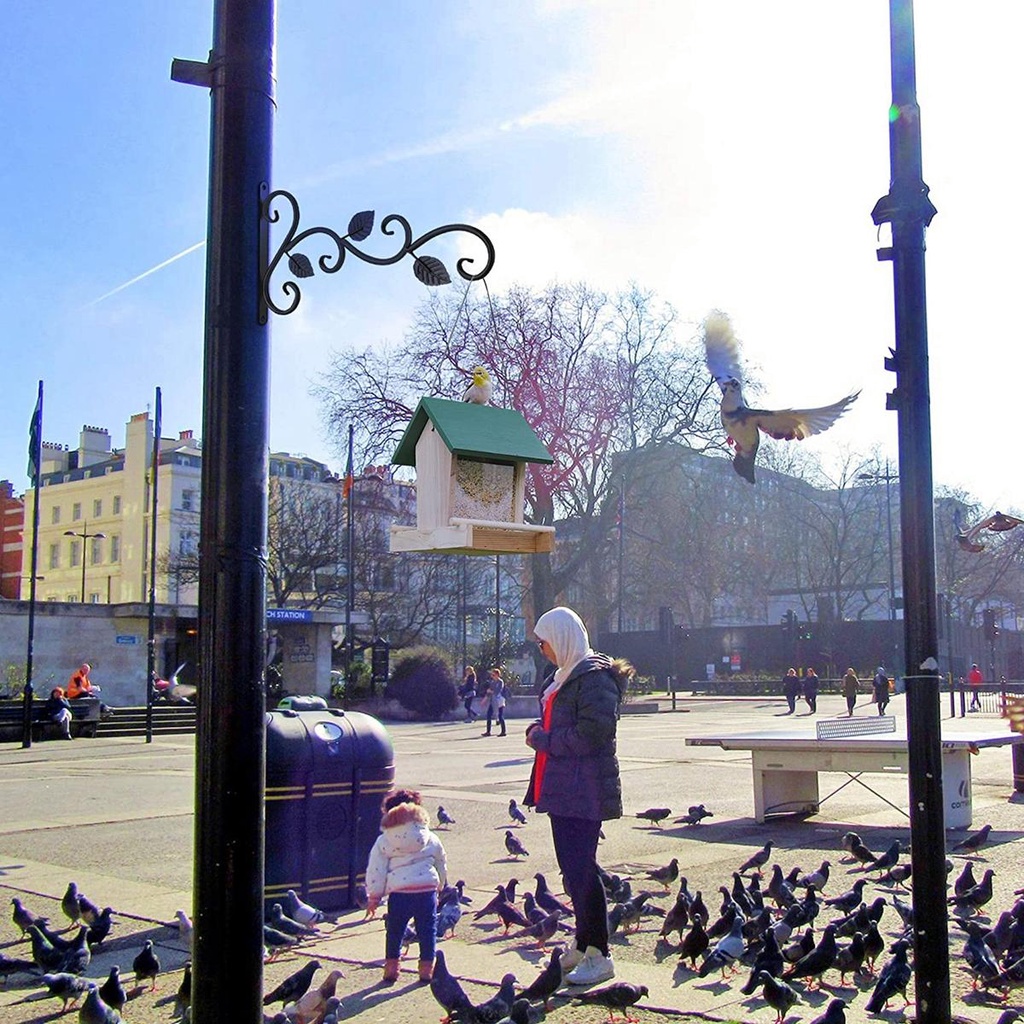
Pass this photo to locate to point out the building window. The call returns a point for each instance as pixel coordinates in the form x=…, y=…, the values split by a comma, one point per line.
x=115, y=548
x=55, y=515
x=97, y=550
x=188, y=543
x=97, y=508
x=94, y=599
x=188, y=501
x=116, y=501
x=74, y=554
x=76, y=511
x=54, y=556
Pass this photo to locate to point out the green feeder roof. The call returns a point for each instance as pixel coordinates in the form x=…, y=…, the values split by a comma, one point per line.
x=473, y=431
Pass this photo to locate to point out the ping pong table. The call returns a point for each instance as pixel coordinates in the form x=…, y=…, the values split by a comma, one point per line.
x=786, y=763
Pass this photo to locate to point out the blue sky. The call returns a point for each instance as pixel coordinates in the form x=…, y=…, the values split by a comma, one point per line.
x=725, y=153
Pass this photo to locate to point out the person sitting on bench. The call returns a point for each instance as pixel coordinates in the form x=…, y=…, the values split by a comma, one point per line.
x=59, y=710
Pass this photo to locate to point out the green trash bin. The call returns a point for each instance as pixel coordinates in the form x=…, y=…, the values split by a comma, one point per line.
x=327, y=772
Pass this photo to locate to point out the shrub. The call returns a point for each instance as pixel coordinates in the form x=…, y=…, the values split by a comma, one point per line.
x=422, y=683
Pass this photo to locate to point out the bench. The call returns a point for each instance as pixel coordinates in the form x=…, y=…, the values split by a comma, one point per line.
x=85, y=719
x=843, y=728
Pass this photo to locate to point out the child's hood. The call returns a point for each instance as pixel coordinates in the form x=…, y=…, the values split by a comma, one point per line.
x=405, y=828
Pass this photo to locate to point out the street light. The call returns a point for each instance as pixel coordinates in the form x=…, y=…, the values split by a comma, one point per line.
x=888, y=478
x=86, y=536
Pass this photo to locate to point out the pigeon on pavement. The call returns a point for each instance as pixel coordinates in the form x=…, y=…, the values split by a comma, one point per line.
x=894, y=977
x=99, y=929
x=77, y=956
x=448, y=916
x=778, y=995
x=850, y=959
x=523, y=1013
x=95, y=1011
x=277, y=941
x=768, y=959
x=978, y=956
x=974, y=842
x=68, y=988
x=547, y=983
x=965, y=880
x=694, y=943
x=310, y=1007
x=654, y=814
x=835, y=1013
x=514, y=846
x=69, y=903
x=184, y=994
x=491, y=907
x=444, y=819
x=757, y=860
x=294, y=986
x=146, y=965
x=546, y=900
x=515, y=813
x=977, y=896
x=23, y=917
x=849, y=900
x=278, y=919
x=543, y=930
x=87, y=910
x=620, y=995
x=815, y=879
x=887, y=859
x=112, y=991
x=511, y=915
x=665, y=875
x=445, y=988
x=858, y=850
x=694, y=815
x=726, y=951
x=44, y=953
x=304, y=913
x=493, y=1009
x=818, y=960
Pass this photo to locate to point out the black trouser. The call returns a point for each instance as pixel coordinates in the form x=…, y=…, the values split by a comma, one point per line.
x=501, y=718
x=851, y=701
x=575, y=842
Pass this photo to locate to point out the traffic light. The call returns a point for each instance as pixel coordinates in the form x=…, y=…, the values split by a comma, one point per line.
x=789, y=625
x=991, y=626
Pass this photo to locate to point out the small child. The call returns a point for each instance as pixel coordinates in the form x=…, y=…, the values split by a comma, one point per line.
x=408, y=865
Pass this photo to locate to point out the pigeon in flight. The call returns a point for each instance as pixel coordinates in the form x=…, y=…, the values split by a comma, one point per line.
x=743, y=424
x=515, y=813
x=514, y=846
x=444, y=819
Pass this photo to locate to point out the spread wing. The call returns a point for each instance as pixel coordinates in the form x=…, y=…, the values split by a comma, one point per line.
x=796, y=424
x=721, y=348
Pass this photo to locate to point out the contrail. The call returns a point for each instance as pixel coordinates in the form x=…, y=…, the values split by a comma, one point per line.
x=146, y=273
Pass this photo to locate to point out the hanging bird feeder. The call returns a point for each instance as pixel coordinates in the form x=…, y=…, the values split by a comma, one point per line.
x=470, y=463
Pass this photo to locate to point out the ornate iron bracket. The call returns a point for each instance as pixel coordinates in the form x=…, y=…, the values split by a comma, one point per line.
x=428, y=269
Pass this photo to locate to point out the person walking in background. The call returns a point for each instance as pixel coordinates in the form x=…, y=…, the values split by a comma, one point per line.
x=880, y=689
x=467, y=691
x=811, y=690
x=575, y=776
x=974, y=681
x=791, y=689
x=408, y=865
x=850, y=684
x=59, y=710
x=495, y=701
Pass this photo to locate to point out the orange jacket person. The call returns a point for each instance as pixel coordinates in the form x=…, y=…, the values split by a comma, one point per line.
x=79, y=684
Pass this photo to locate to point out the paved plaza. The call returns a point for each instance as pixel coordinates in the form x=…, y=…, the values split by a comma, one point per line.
x=115, y=815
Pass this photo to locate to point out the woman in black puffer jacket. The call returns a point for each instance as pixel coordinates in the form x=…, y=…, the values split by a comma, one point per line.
x=575, y=777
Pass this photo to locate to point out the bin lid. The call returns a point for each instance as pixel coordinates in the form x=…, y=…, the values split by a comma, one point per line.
x=327, y=741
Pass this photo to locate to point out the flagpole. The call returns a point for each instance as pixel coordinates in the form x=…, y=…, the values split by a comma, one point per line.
x=35, y=457
x=151, y=641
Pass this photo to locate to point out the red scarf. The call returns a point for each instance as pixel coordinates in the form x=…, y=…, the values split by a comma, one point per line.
x=542, y=755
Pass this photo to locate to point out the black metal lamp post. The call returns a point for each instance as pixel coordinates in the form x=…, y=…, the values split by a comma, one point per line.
x=86, y=537
x=231, y=731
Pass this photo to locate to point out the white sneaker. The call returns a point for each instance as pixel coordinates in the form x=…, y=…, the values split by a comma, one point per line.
x=570, y=958
x=593, y=968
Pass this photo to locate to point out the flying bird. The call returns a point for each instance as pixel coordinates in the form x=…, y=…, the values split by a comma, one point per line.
x=479, y=392
x=515, y=813
x=514, y=846
x=744, y=425
x=620, y=995
x=998, y=522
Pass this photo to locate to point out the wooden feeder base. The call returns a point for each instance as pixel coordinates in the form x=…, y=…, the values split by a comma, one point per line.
x=475, y=537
